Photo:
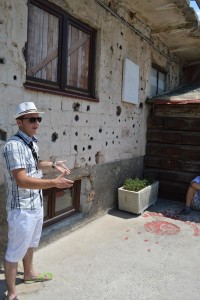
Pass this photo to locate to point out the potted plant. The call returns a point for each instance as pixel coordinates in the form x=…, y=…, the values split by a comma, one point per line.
x=137, y=194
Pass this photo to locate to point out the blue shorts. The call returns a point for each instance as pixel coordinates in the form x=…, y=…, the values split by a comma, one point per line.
x=196, y=201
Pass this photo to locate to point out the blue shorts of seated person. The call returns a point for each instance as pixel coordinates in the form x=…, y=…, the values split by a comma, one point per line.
x=196, y=199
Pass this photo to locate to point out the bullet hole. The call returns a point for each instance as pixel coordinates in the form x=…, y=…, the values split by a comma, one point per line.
x=106, y=143
x=76, y=148
x=64, y=133
x=88, y=108
x=141, y=78
x=120, y=47
x=119, y=120
x=97, y=156
x=113, y=132
x=111, y=48
x=86, y=121
x=76, y=106
x=89, y=158
x=15, y=77
x=2, y=60
x=125, y=120
x=54, y=137
x=89, y=147
x=131, y=14
x=76, y=133
x=142, y=89
x=14, y=44
x=3, y=135
x=100, y=130
x=141, y=105
x=76, y=118
x=83, y=148
x=111, y=72
x=122, y=33
x=91, y=139
x=118, y=110
x=133, y=125
x=106, y=132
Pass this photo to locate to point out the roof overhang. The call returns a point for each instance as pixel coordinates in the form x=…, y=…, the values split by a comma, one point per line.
x=174, y=22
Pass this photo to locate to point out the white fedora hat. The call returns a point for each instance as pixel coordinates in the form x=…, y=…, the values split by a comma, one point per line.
x=26, y=108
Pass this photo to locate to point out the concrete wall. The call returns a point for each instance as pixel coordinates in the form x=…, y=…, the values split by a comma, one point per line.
x=105, y=141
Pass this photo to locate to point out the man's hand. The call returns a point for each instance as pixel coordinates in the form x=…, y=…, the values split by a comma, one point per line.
x=27, y=182
x=61, y=167
x=61, y=182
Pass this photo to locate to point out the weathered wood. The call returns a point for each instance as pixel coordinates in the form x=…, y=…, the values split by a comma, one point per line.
x=172, y=190
x=186, y=111
x=190, y=124
x=173, y=148
x=169, y=163
x=171, y=175
x=173, y=151
x=175, y=137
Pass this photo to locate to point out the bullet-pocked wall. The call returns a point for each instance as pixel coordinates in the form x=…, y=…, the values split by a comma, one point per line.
x=103, y=141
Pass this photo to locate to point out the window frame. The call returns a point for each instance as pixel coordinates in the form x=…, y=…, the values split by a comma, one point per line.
x=159, y=70
x=60, y=86
x=54, y=217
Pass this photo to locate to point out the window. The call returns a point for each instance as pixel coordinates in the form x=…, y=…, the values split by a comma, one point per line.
x=59, y=52
x=157, y=81
x=61, y=203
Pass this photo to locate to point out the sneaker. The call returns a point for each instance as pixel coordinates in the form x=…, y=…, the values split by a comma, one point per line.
x=184, y=211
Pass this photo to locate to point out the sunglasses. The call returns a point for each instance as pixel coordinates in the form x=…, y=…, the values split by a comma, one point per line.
x=33, y=120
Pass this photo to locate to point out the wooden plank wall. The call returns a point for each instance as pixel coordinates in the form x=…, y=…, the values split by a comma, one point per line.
x=173, y=148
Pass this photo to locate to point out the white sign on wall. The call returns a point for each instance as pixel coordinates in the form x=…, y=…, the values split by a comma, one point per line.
x=130, y=90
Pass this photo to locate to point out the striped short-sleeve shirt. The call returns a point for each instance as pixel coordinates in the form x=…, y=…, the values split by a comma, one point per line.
x=18, y=155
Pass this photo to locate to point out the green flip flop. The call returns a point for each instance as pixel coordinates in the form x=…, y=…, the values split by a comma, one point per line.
x=46, y=276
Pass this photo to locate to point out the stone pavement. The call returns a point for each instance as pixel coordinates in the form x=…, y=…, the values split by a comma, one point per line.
x=122, y=256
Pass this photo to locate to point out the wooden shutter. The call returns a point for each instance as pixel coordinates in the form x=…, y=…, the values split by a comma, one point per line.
x=42, y=54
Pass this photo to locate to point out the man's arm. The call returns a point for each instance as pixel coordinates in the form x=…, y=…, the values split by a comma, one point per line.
x=26, y=182
x=58, y=165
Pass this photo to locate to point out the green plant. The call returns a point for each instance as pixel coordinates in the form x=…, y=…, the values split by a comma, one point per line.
x=135, y=184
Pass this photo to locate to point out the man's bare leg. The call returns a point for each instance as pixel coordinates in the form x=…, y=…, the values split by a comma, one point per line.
x=10, y=270
x=29, y=272
x=189, y=196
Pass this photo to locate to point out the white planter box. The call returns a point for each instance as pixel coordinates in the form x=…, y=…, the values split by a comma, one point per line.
x=137, y=202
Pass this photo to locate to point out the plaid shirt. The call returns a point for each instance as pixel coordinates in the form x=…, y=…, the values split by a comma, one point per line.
x=18, y=155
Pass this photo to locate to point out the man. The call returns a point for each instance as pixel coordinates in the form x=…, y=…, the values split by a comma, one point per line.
x=192, y=197
x=22, y=169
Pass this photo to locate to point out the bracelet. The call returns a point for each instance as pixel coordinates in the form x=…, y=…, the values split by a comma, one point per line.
x=53, y=164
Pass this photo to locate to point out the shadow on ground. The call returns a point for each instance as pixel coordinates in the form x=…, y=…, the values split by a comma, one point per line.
x=162, y=208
